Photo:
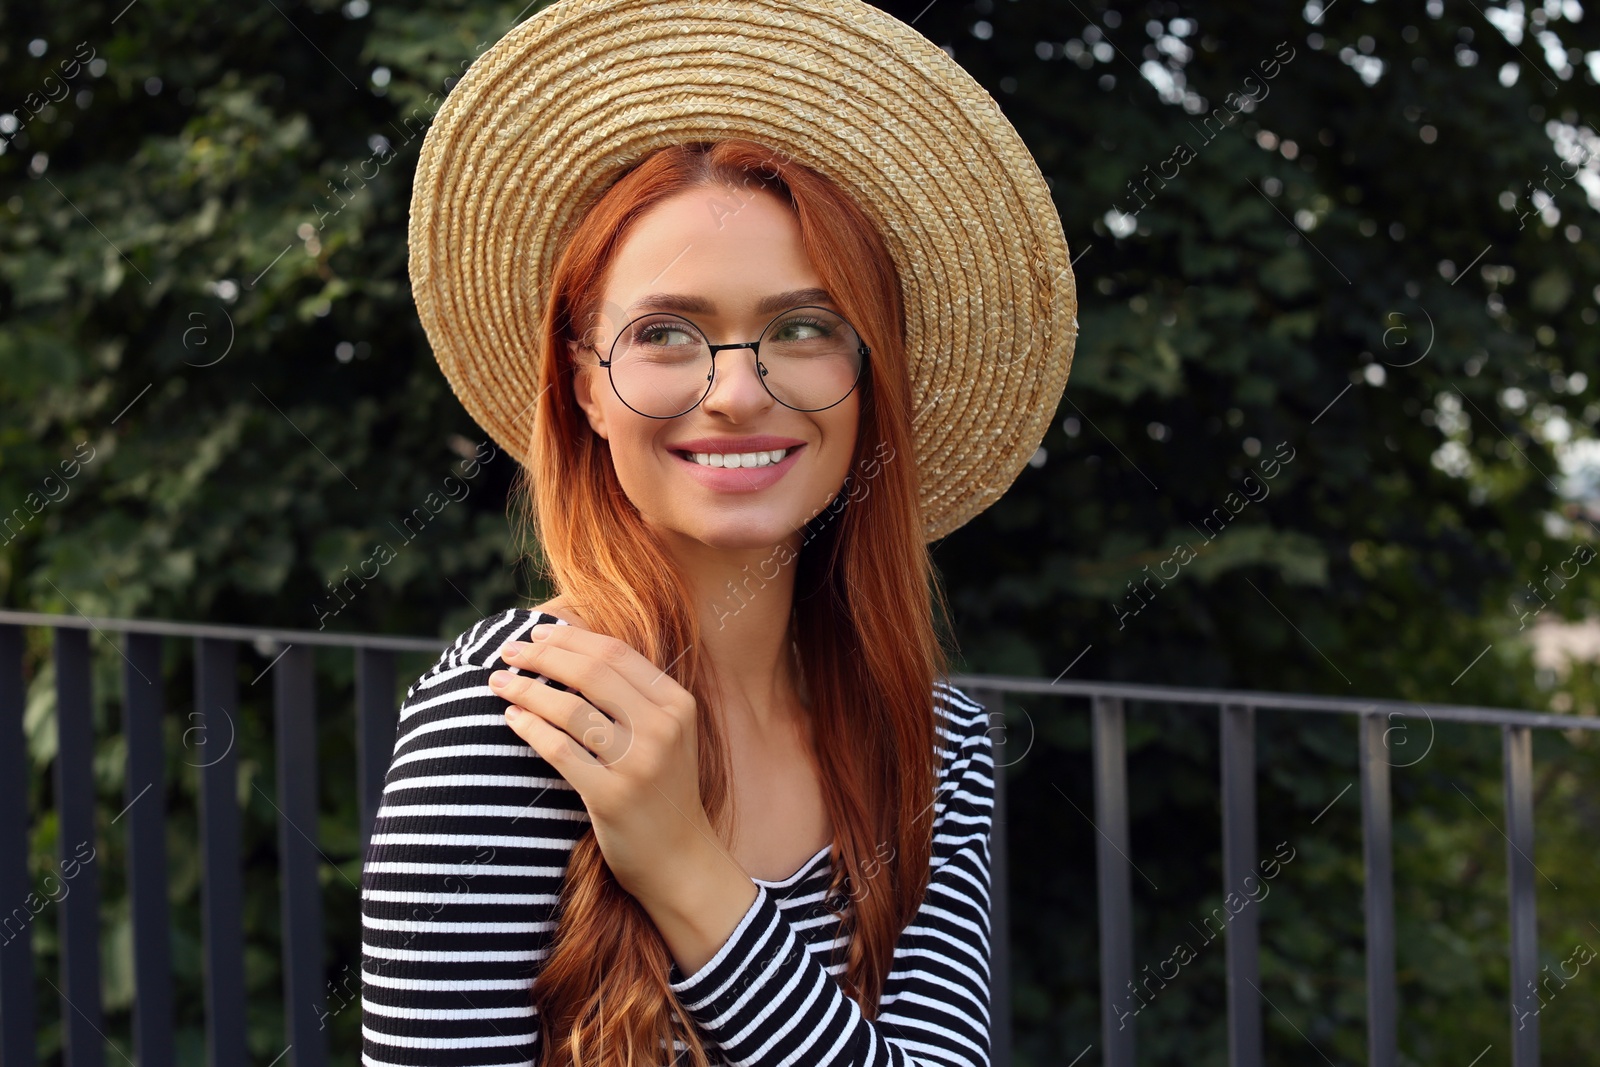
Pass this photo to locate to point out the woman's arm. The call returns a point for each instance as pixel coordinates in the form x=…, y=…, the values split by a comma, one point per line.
x=765, y=1001
x=468, y=853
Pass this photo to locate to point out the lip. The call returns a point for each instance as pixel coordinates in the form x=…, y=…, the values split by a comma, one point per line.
x=724, y=445
x=739, y=479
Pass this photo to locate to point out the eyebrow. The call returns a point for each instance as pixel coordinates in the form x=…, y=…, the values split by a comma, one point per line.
x=699, y=305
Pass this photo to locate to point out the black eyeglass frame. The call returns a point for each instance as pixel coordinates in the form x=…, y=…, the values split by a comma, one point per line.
x=755, y=348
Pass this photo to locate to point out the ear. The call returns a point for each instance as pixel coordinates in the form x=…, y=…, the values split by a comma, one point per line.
x=586, y=376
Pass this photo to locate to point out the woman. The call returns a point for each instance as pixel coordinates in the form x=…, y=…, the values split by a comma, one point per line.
x=724, y=802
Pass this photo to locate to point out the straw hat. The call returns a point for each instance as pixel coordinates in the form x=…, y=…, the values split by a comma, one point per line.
x=548, y=118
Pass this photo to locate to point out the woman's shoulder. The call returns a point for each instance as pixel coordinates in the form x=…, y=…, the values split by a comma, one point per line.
x=560, y=611
x=961, y=733
x=964, y=803
x=476, y=650
x=960, y=717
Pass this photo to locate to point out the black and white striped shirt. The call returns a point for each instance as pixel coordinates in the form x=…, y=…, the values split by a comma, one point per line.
x=468, y=854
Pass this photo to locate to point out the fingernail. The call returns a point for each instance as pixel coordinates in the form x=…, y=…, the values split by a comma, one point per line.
x=499, y=679
x=542, y=631
x=512, y=711
x=512, y=648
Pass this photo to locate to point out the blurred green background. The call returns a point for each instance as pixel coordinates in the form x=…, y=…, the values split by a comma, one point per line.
x=1339, y=292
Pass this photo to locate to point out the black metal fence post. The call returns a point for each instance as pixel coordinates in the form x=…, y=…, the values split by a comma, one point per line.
x=1517, y=743
x=377, y=717
x=1239, y=854
x=1115, y=892
x=221, y=888
x=1376, y=818
x=18, y=1020
x=82, y=1024
x=299, y=858
x=143, y=717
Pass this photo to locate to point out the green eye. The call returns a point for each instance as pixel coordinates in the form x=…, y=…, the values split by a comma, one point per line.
x=800, y=330
x=658, y=333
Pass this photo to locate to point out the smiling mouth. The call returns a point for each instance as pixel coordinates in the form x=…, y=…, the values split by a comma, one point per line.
x=739, y=461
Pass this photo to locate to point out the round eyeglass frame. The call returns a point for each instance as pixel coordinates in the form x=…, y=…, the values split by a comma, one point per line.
x=753, y=346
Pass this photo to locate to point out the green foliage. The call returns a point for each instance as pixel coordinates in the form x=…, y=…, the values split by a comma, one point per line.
x=216, y=404
x=1286, y=284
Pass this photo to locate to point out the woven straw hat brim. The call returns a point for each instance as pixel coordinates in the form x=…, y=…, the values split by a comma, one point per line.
x=548, y=118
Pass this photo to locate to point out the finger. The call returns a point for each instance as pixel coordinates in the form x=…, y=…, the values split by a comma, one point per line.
x=572, y=760
x=598, y=682
x=519, y=688
x=566, y=711
x=609, y=672
x=626, y=660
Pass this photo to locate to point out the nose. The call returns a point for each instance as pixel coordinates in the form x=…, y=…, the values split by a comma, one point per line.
x=736, y=387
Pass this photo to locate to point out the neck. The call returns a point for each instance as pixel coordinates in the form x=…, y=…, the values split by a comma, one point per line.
x=746, y=602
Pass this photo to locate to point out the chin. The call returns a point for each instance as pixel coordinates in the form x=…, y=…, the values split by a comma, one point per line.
x=738, y=532
x=746, y=536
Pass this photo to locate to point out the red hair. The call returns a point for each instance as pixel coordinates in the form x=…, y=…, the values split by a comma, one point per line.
x=869, y=652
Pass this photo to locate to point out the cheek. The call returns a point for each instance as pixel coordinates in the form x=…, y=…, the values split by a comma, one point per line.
x=631, y=440
x=848, y=428
x=841, y=437
x=644, y=467
x=638, y=462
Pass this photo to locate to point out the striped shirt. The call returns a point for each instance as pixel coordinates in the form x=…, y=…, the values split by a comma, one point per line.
x=465, y=868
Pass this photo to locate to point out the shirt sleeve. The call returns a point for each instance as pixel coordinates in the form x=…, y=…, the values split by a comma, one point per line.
x=765, y=1001
x=468, y=852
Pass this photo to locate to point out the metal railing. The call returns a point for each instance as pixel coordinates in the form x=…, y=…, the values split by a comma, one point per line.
x=216, y=701
x=1237, y=736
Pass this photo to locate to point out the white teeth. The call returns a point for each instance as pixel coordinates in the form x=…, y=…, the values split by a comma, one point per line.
x=739, y=459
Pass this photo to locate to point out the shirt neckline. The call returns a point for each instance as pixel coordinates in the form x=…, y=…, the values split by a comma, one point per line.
x=804, y=868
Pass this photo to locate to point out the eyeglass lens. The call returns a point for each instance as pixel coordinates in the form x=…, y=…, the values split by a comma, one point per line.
x=809, y=359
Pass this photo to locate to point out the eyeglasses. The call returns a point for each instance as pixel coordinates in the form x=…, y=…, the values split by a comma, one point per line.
x=662, y=366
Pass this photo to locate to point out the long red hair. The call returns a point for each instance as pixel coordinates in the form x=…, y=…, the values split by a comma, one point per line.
x=864, y=602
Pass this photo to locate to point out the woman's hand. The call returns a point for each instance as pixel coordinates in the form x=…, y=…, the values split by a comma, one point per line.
x=625, y=740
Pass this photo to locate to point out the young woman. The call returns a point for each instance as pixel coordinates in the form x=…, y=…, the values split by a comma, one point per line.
x=715, y=797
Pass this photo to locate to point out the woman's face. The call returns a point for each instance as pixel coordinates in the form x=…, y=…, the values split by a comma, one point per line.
x=739, y=257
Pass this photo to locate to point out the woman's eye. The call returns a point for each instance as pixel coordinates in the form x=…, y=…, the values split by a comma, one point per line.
x=800, y=331
x=664, y=335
